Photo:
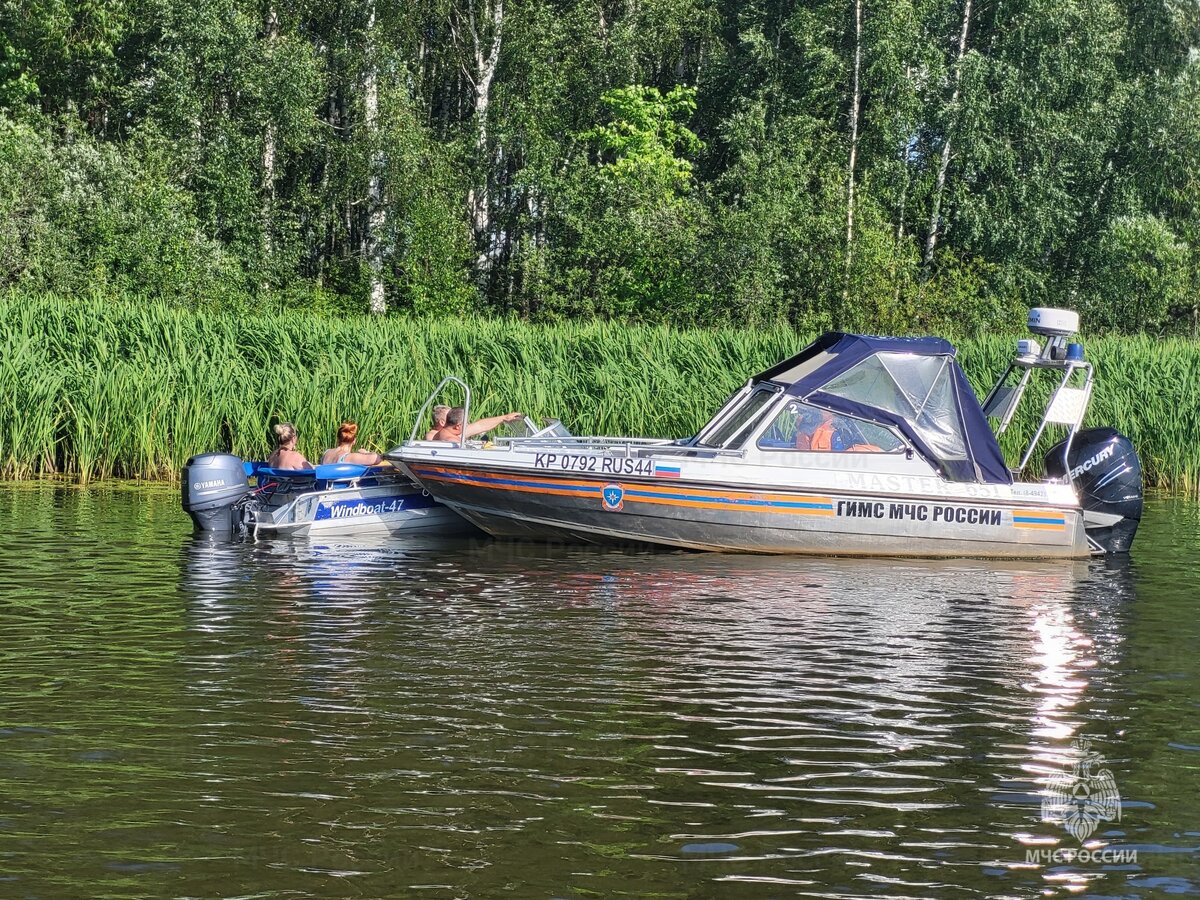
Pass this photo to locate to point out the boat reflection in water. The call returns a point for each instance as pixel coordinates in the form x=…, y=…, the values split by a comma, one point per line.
x=817, y=715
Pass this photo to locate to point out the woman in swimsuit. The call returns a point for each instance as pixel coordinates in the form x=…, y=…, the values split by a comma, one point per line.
x=344, y=452
x=285, y=455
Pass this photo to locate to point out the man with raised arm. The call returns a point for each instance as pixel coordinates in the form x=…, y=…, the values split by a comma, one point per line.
x=453, y=430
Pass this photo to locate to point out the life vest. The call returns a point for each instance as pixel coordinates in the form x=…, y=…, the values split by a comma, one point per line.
x=822, y=438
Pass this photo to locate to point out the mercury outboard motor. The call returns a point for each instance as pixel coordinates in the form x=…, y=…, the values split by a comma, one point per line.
x=1107, y=473
x=213, y=483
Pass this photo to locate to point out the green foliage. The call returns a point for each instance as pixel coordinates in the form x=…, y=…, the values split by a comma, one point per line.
x=647, y=143
x=662, y=161
x=95, y=389
x=430, y=243
x=1142, y=274
x=82, y=216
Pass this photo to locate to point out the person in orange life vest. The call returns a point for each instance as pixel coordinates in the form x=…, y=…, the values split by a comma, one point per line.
x=828, y=437
x=821, y=436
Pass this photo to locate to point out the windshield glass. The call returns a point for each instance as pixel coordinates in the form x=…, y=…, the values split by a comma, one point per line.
x=800, y=426
x=733, y=431
x=917, y=388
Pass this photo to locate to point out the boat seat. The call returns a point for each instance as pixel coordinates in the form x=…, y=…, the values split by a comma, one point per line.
x=329, y=475
x=286, y=474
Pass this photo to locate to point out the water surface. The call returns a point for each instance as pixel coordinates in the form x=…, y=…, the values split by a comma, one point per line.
x=472, y=719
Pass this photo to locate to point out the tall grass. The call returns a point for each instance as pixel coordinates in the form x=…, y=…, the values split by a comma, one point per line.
x=94, y=390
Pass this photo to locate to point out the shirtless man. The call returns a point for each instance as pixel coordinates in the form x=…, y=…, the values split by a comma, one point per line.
x=439, y=421
x=453, y=430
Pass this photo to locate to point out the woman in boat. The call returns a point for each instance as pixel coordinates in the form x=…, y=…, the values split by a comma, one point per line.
x=439, y=421
x=285, y=455
x=344, y=452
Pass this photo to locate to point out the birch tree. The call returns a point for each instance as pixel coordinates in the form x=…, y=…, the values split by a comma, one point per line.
x=481, y=32
x=855, y=103
x=270, y=137
x=376, y=211
x=939, y=188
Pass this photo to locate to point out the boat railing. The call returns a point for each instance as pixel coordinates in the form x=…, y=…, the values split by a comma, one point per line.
x=433, y=396
x=638, y=446
x=581, y=439
x=1066, y=405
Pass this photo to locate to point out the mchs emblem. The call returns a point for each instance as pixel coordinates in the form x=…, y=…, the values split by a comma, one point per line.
x=1081, y=800
x=613, y=496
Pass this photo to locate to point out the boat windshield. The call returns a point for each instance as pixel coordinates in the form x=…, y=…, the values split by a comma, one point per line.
x=919, y=389
x=734, y=430
x=528, y=427
x=801, y=426
x=911, y=386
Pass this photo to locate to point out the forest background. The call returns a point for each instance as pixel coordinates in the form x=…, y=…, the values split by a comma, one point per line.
x=886, y=165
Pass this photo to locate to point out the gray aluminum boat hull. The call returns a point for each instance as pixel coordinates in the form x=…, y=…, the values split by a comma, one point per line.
x=516, y=503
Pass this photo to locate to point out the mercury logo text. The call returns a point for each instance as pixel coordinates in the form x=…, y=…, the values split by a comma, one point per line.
x=1094, y=461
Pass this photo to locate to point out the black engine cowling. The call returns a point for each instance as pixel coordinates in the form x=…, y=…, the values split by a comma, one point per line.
x=212, y=485
x=1107, y=473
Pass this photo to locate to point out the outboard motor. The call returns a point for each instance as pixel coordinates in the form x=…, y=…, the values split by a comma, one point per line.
x=1107, y=473
x=213, y=483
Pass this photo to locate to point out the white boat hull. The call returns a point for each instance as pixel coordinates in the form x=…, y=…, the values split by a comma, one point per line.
x=508, y=495
x=396, y=509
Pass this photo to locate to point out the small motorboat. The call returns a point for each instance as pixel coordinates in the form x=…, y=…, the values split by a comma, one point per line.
x=224, y=495
x=858, y=445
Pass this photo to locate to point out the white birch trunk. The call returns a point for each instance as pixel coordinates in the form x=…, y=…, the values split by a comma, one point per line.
x=479, y=198
x=271, y=34
x=376, y=214
x=935, y=215
x=855, y=103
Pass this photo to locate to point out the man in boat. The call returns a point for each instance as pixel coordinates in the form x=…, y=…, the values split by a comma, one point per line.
x=831, y=434
x=439, y=421
x=453, y=430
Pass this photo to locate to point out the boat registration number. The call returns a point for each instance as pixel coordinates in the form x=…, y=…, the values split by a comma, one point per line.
x=606, y=465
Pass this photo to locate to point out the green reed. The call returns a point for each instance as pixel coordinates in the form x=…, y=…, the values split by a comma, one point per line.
x=93, y=390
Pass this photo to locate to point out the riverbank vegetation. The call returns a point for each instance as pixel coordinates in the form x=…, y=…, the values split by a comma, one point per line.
x=92, y=389
x=893, y=166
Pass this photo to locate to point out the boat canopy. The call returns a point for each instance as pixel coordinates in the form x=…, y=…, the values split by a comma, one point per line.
x=912, y=384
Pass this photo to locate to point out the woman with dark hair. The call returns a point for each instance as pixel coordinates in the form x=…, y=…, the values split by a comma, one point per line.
x=285, y=455
x=344, y=452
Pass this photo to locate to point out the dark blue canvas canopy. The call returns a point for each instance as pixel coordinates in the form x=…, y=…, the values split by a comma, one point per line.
x=912, y=384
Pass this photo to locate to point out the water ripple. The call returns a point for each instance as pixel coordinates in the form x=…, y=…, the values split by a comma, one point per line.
x=469, y=719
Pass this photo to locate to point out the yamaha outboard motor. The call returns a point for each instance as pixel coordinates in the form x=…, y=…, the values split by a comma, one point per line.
x=1107, y=473
x=213, y=483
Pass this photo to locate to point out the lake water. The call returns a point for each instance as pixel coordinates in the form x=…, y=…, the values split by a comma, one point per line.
x=472, y=719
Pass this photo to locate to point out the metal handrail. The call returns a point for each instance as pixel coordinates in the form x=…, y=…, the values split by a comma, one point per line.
x=583, y=439
x=462, y=441
x=642, y=446
x=1069, y=369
